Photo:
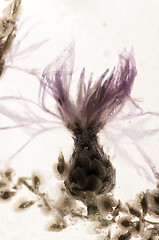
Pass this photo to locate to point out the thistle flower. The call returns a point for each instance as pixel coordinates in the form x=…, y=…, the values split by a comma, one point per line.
x=90, y=170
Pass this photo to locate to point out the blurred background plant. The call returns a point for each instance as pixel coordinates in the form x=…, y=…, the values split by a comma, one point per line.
x=8, y=30
x=114, y=219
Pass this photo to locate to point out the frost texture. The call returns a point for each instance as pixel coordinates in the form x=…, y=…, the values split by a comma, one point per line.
x=96, y=103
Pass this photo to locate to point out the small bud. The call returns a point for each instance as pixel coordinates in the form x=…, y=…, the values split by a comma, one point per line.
x=61, y=164
x=36, y=181
x=61, y=168
x=8, y=174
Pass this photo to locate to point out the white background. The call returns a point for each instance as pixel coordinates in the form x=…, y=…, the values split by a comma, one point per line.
x=101, y=29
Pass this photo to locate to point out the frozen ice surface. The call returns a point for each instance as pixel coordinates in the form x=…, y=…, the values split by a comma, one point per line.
x=101, y=29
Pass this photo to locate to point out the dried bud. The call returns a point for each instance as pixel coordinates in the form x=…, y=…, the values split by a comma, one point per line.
x=106, y=204
x=122, y=236
x=152, y=198
x=57, y=226
x=5, y=195
x=142, y=202
x=8, y=174
x=36, y=182
x=61, y=168
x=124, y=223
x=65, y=205
x=137, y=228
x=134, y=211
x=6, y=27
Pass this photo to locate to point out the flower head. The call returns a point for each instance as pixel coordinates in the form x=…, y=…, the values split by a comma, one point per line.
x=96, y=103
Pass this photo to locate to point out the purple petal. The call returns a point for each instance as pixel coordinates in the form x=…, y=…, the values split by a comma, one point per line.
x=56, y=80
x=95, y=104
x=105, y=99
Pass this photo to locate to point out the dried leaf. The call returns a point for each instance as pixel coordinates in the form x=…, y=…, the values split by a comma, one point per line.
x=57, y=227
x=25, y=204
x=36, y=182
